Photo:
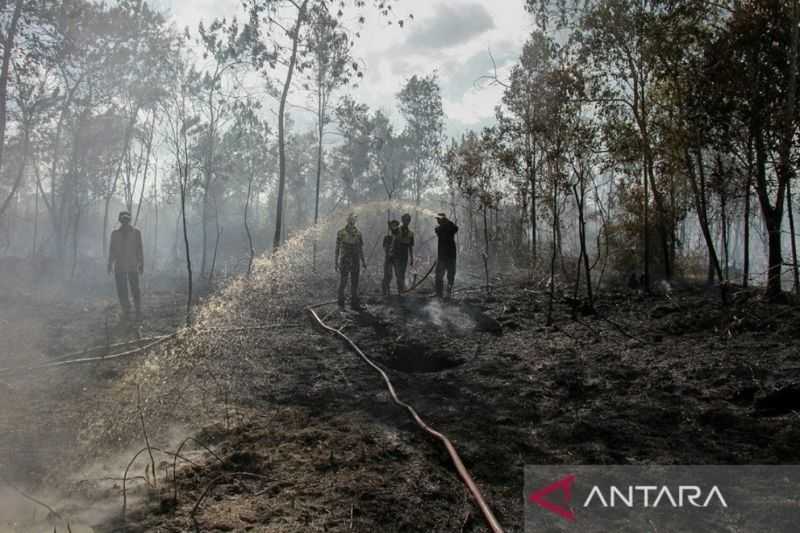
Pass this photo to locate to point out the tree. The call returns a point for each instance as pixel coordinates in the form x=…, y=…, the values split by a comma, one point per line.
x=246, y=165
x=472, y=170
x=420, y=103
x=331, y=68
x=287, y=19
x=757, y=81
x=221, y=52
x=181, y=125
x=353, y=154
x=390, y=155
x=523, y=120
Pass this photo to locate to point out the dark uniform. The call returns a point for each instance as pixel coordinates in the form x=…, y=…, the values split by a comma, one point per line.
x=390, y=263
x=349, y=253
x=446, y=254
x=126, y=259
x=403, y=249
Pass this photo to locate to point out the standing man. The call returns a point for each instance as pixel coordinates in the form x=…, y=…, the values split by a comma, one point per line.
x=446, y=256
x=390, y=258
x=349, y=249
x=126, y=259
x=404, y=249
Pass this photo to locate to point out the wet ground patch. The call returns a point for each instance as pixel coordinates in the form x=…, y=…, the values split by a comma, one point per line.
x=415, y=358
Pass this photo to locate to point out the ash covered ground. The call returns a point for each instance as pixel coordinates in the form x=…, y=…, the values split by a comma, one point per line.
x=257, y=420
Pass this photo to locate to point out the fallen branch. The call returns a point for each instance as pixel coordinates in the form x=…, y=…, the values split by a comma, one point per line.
x=87, y=351
x=59, y=361
x=88, y=359
x=224, y=329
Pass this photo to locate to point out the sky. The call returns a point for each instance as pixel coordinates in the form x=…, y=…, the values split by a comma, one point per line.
x=452, y=37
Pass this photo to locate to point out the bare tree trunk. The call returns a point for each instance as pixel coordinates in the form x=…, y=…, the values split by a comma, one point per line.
x=532, y=180
x=792, y=234
x=155, y=217
x=75, y=240
x=579, y=190
x=252, y=251
x=724, y=230
x=301, y=15
x=8, y=49
x=772, y=216
x=553, y=257
x=21, y=173
x=485, y=253
x=785, y=168
x=219, y=229
x=701, y=207
x=646, y=229
x=204, y=231
x=146, y=167
x=35, y=223
x=184, y=184
x=320, y=132
x=747, y=193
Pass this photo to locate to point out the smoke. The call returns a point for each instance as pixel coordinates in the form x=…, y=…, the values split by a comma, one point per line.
x=448, y=316
x=19, y=514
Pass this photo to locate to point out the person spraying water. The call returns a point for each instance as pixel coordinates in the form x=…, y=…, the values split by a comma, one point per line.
x=446, y=254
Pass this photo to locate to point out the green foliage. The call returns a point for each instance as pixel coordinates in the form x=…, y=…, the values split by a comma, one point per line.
x=420, y=103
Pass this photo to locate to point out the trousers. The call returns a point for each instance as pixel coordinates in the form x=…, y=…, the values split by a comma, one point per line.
x=349, y=268
x=445, y=265
x=123, y=279
x=396, y=266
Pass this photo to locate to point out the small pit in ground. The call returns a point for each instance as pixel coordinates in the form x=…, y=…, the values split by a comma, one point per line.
x=417, y=358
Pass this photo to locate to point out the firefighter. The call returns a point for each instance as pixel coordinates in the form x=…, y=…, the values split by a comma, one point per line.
x=349, y=251
x=446, y=254
x=390, y=258
x=126, y=260
x=404, y=251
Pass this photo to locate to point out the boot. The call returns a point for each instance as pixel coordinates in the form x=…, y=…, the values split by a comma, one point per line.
x=449, y=291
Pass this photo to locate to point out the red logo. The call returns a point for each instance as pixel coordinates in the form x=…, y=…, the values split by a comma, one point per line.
x=565, y=486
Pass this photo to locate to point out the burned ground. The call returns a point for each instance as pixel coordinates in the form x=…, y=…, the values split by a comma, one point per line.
x=293, y=432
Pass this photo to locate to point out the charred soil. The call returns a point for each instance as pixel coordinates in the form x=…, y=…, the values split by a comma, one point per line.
x=293, y=432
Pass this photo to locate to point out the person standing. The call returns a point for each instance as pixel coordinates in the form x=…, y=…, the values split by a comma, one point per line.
x=446, y=254
x=349, y=250
x=390, y=258
x=404, y=250
x=126, y=260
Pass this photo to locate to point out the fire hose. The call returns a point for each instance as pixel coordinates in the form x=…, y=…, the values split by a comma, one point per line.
x=491, y=521
x=420, y=282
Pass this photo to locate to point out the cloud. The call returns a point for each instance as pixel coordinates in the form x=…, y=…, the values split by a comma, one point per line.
x=460, y=76
x=450, y=26
x=449, y=36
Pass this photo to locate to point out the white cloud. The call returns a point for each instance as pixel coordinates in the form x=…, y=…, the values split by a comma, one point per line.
x=390, y=55
x=450, y=26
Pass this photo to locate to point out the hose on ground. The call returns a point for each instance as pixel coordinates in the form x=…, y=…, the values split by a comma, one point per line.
x=491, y=521
x=420, y=282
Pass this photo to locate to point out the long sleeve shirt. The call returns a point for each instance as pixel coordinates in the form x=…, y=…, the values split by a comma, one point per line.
x=126, y=253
